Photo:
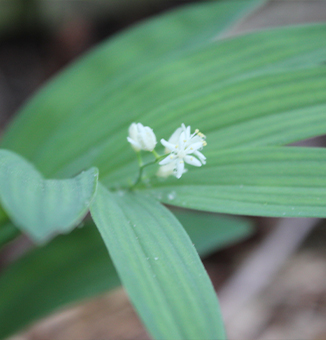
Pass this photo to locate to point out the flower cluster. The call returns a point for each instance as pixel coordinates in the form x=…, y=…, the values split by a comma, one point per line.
x=182, y=147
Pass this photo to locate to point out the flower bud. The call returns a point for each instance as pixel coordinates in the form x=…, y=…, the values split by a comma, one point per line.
x=141, y=137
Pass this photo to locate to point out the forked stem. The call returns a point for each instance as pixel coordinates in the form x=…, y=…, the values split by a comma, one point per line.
x=142, y=166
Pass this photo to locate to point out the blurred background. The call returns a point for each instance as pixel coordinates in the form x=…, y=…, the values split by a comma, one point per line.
x=271, y=285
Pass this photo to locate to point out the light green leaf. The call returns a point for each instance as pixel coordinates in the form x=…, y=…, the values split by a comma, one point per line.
x=158, y=266
x=70, y=268
x=287, y=181
x=77, y=266
x=43, y=208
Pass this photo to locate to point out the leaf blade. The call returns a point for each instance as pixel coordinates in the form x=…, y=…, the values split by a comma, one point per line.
x=43, y=208
x=271, y=181
x=168, y=304
x=146, y=45
x=81, y=267
x=210, y=103
x=70, y=268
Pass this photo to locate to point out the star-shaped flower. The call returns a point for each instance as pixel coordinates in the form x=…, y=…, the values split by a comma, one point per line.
x=183, y=146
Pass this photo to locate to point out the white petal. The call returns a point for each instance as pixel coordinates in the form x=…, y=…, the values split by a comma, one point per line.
x=194, y=147
x=192, y=161
x=174, y=139
x=200, y=156
x=188, y=132
x=149, y=139
x=175, y=172
x=182, y=140
x=167, y=159
x=170, y=146
x=136, y=146
x=141, y=134
x=133, y=131
x=196, y=139
x=140, y=127
x=180, y=168
x=166, y=170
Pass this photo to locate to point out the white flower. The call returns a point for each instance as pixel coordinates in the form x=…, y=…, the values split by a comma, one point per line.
x=183, y=146
x=167, y=170
x=141, y=137
x=175, y=137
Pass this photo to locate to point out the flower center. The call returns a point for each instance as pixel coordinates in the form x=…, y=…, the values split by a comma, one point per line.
x=181, y=154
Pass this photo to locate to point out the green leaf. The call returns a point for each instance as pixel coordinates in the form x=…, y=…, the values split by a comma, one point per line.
x=158, y=266
x=43, y=208
x=267, y=88
x=3, y=216
x=7, y=233
x=276, y=128
x=77, y=266
x=70, y=268
x=287, y=181
x=225, y=88
x=210, y=232
x=95, y=90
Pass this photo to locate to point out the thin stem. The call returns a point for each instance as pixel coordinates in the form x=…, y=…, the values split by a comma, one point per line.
x=140, y=161
x=141, y=168
x=156, y=155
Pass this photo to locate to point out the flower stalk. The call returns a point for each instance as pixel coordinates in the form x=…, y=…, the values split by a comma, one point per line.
x=141, y=168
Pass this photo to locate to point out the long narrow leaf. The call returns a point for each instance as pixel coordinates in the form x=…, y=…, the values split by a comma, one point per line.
x=117, y=63
x=287, y=181
x=207, y=89
x=224, y=88
x=158, y=266
x=76, y=266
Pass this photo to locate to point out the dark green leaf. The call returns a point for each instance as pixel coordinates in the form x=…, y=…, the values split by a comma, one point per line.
x=7, y=233
x=70, y=268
